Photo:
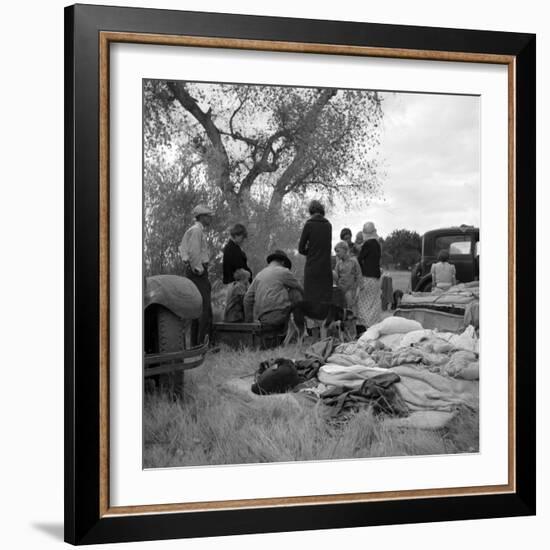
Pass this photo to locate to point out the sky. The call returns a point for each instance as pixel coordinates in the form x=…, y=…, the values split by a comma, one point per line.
x=430, y=160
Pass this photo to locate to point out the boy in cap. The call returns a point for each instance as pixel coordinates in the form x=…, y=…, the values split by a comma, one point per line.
x=195, y=254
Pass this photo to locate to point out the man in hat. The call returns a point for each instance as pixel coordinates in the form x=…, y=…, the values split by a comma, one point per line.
x=272, y=292
x=195, y=254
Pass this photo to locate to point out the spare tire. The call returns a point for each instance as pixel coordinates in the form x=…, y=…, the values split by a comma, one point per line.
x=166, y=332
x=177, y=294
x=171, y=331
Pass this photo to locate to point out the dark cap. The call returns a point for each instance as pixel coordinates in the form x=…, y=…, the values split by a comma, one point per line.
x=281, y=256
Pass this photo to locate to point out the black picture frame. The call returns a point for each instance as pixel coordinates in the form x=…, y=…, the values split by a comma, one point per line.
x=84, y=521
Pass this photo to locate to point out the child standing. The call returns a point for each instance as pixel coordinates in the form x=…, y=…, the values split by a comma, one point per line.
x=347, y=274
x=357, y=245
x=234, y=305
x=443, y=273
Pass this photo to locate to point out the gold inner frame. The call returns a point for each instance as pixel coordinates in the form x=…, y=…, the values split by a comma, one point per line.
x=105, y=39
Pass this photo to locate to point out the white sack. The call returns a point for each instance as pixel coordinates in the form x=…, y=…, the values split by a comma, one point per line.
x=390, y=325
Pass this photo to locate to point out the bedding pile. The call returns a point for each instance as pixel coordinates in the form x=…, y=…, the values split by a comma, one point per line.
x=410, y=376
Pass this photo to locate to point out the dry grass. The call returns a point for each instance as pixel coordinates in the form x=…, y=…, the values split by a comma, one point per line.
x=218, y=423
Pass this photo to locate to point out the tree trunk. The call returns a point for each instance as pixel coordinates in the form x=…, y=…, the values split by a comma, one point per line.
x=221, y=171
x=276, y=201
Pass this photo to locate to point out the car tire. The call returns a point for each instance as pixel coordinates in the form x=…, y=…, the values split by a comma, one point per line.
x=171, y=330
x=171, y=337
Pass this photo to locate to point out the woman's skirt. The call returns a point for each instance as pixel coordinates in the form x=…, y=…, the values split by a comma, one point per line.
x=369, y=305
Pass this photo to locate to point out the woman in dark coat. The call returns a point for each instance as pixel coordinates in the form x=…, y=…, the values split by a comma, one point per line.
x=316, y=245
x=234, y=256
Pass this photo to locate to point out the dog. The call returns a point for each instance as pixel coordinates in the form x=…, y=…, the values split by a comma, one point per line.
x=397, y=297
x=334, y=318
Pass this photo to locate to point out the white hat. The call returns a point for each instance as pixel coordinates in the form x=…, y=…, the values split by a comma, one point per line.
x=201, y=209
x=369, y=231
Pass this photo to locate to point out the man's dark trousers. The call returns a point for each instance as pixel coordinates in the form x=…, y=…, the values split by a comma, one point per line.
x=202, y=326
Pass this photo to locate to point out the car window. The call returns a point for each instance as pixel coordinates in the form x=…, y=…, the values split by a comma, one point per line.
x=458, y=248
x=457, y=245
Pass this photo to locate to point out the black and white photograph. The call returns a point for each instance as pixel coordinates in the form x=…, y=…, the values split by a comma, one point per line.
x=245, y=305
x=311, y=273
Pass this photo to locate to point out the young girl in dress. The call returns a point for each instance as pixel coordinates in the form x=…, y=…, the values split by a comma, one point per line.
x=347, y=274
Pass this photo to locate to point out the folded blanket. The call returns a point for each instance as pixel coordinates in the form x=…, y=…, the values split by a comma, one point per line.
x=350, y=348
x=348, y=377
x=360, y=358
x=424, y=390
x=467, y=340
x=463, y=364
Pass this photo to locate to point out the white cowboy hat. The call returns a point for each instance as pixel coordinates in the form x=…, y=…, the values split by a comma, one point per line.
x=369, y=231
x=201, y=209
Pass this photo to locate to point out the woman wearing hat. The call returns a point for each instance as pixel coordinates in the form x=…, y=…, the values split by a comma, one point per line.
x=316, y=245
x=369, y=303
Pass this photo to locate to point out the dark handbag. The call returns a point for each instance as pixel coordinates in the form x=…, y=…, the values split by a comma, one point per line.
x=276, y=376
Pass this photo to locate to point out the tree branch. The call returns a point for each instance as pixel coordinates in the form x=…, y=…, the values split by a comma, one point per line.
x=235, y=112
x=263, y=165
x=302, y=177
x=239, y=137
x=282, y=187
x=190, y=104
x=186, y=173
x=340, y=137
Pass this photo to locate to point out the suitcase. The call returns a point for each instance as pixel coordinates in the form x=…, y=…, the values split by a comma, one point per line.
x=248, y=335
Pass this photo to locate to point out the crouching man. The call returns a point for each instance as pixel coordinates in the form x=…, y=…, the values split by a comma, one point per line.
x=272, y=292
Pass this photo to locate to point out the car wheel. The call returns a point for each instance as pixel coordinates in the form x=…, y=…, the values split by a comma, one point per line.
x=171, y=337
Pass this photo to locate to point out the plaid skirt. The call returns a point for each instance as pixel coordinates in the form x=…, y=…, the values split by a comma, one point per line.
x=369, y=306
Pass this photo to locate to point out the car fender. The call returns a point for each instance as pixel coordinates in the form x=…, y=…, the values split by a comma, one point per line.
x=422, y=282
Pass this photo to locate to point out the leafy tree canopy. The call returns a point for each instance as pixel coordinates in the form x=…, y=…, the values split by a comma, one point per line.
x=254, y=153
x=402, y=248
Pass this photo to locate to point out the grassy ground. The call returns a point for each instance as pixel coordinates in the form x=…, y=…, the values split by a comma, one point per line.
x=220, y=423
x=401, y=280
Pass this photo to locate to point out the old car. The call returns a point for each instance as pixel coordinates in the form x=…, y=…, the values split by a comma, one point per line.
x=171, y=303
x=462, y=243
